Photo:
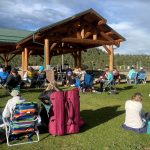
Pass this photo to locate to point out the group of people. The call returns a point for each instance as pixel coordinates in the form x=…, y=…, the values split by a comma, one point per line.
x=134, y=74
x=13, y=79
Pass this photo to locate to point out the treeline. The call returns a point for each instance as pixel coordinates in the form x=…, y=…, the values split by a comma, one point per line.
x=94, y=58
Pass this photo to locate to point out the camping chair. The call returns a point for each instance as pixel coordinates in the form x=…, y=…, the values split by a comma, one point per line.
x=132, y=79
x=22, y=123
x=41, y=80
x=141, y=78
x=88, y=82
x=109, y=84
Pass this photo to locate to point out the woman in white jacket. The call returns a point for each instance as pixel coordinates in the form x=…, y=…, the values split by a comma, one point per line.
x=135, y=117
x=10, y=106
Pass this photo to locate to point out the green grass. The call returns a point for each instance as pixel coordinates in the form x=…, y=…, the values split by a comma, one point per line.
x=103, y=114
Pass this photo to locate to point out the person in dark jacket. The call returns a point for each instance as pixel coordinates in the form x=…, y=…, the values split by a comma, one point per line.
x=13, y=80
x=44, y=98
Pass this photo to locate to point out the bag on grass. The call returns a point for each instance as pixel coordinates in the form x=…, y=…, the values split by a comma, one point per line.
x=72, y=111
x=57, y=117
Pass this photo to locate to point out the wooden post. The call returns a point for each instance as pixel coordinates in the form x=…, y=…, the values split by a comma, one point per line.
x=6, y=60
x=75, y=59
x=25, y=59
x=79, y=59
x=111, y=57
x=46, y=52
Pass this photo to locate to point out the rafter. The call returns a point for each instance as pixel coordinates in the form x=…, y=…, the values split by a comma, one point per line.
x=108, y=38
x=107, y=49
x=101, y=22
x=87, y=41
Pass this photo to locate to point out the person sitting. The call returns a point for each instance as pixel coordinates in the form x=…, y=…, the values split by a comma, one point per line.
x=134, y=115
x=30, y=77
x=41, y=78
x=69, y=74
x=141, y=76
x=132, y=75
x=116, y=75
x=16, y=98
x=3, y=76
x=13, y=80
x=44, y=98
x=105, y=78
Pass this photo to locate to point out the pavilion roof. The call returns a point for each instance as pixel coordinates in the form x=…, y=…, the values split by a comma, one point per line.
x=81, y=31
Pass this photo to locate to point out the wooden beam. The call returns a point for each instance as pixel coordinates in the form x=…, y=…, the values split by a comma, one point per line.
x=109, y=33
x=109, y=38
x=25, y=58
x=82, y=33
x=30, y=52
x=53, y=45
x=41, y=56
x=87, y=34
x=101, y=22
x=95, y=35
x=111, y=58
x=6, y=59
x=107, y=49
x=87, y=41
x=12, y=57
x=46, y=52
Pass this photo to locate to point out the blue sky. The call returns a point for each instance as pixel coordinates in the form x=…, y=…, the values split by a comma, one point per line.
x=130, y=18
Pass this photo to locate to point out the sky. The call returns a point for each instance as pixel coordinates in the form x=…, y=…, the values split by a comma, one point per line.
x=130, y=18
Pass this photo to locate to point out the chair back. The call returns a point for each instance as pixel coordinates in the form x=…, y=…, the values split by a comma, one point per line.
x=23, y=121
x=24, y=117
x=88, y=79
x=142, y=76
x=133, y=75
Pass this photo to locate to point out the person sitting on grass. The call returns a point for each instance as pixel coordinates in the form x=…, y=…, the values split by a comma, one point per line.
x=135, y=118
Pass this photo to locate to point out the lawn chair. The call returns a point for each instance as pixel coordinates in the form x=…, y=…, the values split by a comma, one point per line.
x=41, y=80
x=88, y=82
x=22, y=123
x=132, y=78
x=109, y=84
x=141, y=78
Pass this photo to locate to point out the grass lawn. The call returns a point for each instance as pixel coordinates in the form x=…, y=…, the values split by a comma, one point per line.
x=103, y=114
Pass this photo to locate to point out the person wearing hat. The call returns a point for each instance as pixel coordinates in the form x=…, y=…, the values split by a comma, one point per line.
x=135, y=118
x=13, y=80
x=16, y=98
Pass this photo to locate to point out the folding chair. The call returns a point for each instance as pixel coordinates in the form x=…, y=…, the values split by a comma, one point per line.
x=109, y=84
x=141, y=78
x=132, y=79
x=41, y=80
x=22, y=123
x=88, y=82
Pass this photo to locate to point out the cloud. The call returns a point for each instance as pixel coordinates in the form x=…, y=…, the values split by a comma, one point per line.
x=137, y=38
x=130, y=18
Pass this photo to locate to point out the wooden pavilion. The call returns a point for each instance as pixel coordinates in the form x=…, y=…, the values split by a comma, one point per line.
x=73, y=35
